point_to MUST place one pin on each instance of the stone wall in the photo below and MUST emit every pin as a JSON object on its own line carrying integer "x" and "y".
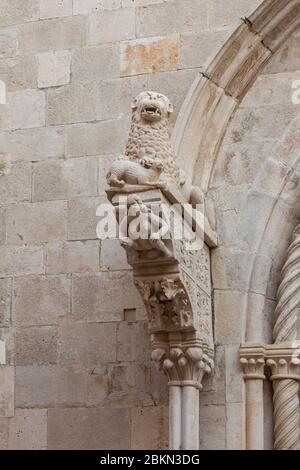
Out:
{"x": 78, "y": 373}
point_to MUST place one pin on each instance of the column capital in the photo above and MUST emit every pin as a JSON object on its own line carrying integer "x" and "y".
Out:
{"x": 284, "y": 361}
{"x": 252, "y": 359}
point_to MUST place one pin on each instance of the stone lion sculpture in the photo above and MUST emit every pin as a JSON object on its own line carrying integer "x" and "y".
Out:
{"x": 149, "y": 156}
{"x": 148, "y": 145}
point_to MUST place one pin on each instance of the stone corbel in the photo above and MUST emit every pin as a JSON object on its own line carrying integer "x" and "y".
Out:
{"x": 173, "y": 279}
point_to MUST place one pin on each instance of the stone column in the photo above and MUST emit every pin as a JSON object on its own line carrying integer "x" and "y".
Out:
{"x": 284, "y": 362}
{"x": 252, "y": 358}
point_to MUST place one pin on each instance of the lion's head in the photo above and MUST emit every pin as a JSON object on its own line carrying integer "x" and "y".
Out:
{"x": 152, "y": 106}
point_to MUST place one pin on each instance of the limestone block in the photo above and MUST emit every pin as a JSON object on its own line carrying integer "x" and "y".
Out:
{"x": 155, "y": 420}
{"x": 231, "y": 268}
{"x": 111, "y": 26}
{"x": 2, "y": 352}
{"x": 2, "y": 225}
{"x": 19, "y": 73}
{"x": 21, "y": 261}
{"x": 228, "y": 320}
{"x": 8, "y": 43}
{"x": 8, "y": 338}
{"x": 191, "y": 55}
{"x": 116, "y": 96}
{"x": 36, "y": 222}
{"x": 141, "y": 3}
{"x": 72, "y": 103}
{"x": 7, "y": 391}
{"x": 72, "y": 257}
{"x": 104, "y": 165}
{"x": 84, "y": 7}
{"x": 48, "y": 386}
{"x": 98, "y": 386}
{"x": 221, "y": 16}
{"x": 133, "y": 342}
{"x": 40, "y": 300}
{"x": 235, "y": 425}
{"x": 4, "y": 433}
{"x": 82, "y": 220}
{"x": 82, "y": 346}
{"x": 18, "y": 11}
{"x": 27, "y": 109}
{"x": 88, "y": 428}
{"x": 255, "y": 313}
{"x": 28, "y": 430}
{"x": 101, "y": 297}
{"x": 234, "y": 378}
{"x": 264, "y": 122}
{"x": 271, "y": 89}
{"x": 64, "y": 179}
{"x": 212, "y": 427}
{"x": 54, "y": 68}
{"x": 103, "y": 138}
{"x": 61, "y": 33}
{"x": 214, "y": 385}
{"x": 96, "y": 63}
{"x": 150, "y": 55}
{"x": 55, "y": 8}
{"x": 16, "y": 185}
{"x": 113, "y": 256}
{"x": 169, "y": 17}
{"x": 33, "y": 144}
{"x": 36, "y": 345}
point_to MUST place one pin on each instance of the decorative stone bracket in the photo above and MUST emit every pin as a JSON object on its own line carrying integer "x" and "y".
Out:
{"x": 173, "y": 278}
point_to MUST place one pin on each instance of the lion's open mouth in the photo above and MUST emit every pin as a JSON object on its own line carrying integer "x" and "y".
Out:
{"x": 151, "y": 112}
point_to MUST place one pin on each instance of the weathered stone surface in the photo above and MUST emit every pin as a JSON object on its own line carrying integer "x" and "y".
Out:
{"x": 28, "y": 430}
{"x": 4, "y": 433}
{"x": 235, "y": 425}
{"x": 150, "y": 55}
{"x": 7, "y": 391}
{"x": 26, "y": 109}
{"x": 133, "y": 342}
{"x": 5, "y": 301}
{"x": 72, "y": 103}
{"x": 54, "y": 68}
{"x": 228, "y": 324}
{"x": 88, "y": 429}
{"x": 62, "y": 33}
{"x": 116, "y": 96}
{"x": 33, "y": 144}
{"x": 168, "y": 17}
{"x": 111, "y": 26}
{"x": 72, "y": 257}
{"x": 8, "y": 43}
{"x": 220, "y": 17}
{"x": 55, "y": 8}
{"x": 16, "y": 185}
{"x": 36, "y": 222}
{"x": 18, "y": 11}
{"x": 83, "y": 7}
{"x": 101, "y": 297}
{"x": 155, "y": 420}
{"x": 40, "y": 300}
{"x": 64, "y": 179}
{"x": 19, "y": 73}
{"x": 96, "y": 63}
{"x": 234, "y": 379}
{"x": 20, "y": 261}
{"x": 213, "y": 421}
{"x": 113, "y": 257}
{"x": 82, "y": 220}
{"x": 83, "y": 346}
{"x": 95, "y": 139}
{"x": 36, "y": 345}
{"x": 48, "y": 386}
{"x": 199, "y": 49}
